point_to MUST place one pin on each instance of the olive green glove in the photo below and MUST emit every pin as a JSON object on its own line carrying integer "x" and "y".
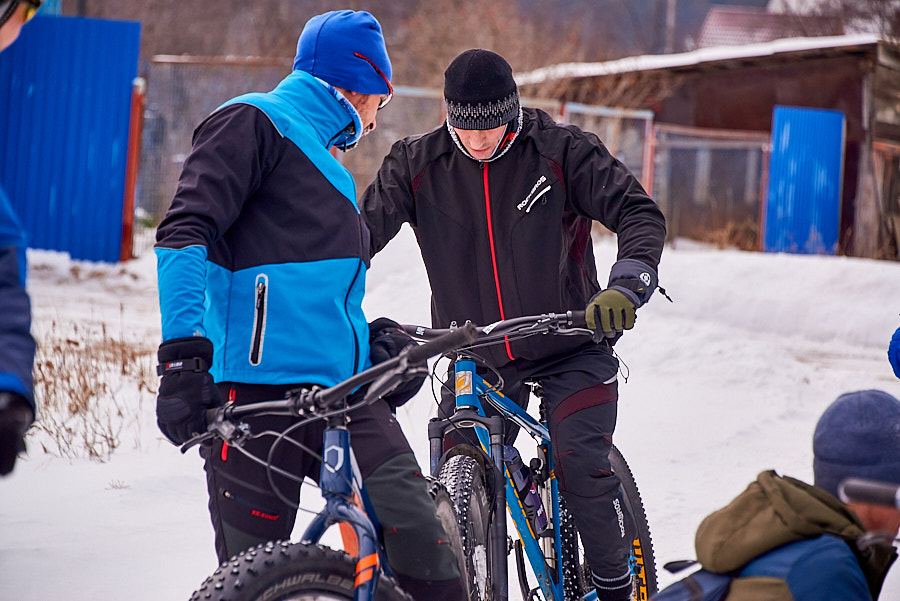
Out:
{"x": 609, "y": 313}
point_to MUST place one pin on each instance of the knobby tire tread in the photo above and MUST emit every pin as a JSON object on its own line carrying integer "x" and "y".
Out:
{"x": 633, "y": 497}
{"x": 463, "y": 478}
{"x": 285, "y": 571}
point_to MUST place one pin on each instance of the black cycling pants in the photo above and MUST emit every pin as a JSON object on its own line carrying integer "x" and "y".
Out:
{"x": 245, "y": 510}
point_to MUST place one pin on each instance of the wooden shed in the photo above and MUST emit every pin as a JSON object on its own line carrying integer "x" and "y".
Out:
{"x": 737, "y": 88}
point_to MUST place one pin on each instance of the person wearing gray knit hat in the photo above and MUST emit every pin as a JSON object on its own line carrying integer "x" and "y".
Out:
{"x": 858, "y": 436}
{"x": 782, "y": 538}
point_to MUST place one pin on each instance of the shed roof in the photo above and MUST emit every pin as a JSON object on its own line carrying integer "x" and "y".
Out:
{"x": 703, "y": 56}
{"x": 733, "y": 25}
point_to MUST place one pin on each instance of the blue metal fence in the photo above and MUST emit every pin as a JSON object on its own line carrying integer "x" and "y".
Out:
{"x": 803, "y": 205}
{"x": 65, "y": 94}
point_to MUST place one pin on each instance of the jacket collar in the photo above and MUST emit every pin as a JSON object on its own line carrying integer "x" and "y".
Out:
{"x": 513, "y": 129}
{"x": 326, "y": 112}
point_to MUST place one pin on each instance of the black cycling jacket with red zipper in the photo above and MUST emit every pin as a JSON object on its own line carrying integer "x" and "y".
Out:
{"x": 511, "y": 237}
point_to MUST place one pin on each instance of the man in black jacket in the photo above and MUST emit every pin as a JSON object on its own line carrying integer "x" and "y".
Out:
{"x": 502, "y": 200}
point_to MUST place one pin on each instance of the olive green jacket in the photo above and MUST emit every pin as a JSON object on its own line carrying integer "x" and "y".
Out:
{"x": 774, "y": 511}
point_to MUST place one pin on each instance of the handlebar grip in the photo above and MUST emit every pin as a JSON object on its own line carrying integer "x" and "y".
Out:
{"x": 212, "y": 414}
{"x": 578, "y": 319}
{"x": 860, "y": 490}
{"x": 455, "y": 339}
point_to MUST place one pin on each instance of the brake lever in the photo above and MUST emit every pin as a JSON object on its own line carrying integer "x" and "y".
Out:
{"x": 230, "y": 432}
{"x": 192, "y": 442}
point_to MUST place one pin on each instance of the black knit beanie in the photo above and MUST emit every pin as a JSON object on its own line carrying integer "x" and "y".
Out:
{"x": 480, "y": 91}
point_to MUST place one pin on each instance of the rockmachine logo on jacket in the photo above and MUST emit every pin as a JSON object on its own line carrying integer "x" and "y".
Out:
{"x": 532, "y": 197}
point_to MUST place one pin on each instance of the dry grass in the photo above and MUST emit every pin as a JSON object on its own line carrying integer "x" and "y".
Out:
{"x": 741, "y": 235}
{"x": 90, "y": 388}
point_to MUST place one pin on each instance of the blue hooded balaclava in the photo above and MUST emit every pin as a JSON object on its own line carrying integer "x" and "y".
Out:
{"x": 346, "y": 49}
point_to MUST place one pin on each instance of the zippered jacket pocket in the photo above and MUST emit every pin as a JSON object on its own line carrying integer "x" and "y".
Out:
{"x": 259, "y": 318}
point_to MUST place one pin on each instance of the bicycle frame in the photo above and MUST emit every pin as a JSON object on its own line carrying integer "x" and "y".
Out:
{"x": 340, "y": 482}
{"x": 471, "y": 388}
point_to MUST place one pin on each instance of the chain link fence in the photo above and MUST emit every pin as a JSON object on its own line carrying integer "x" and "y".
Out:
{"x": 709, "y": 183}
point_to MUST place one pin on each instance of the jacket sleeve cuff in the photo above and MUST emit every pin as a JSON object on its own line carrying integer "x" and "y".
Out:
{"x": 635, "y": 279}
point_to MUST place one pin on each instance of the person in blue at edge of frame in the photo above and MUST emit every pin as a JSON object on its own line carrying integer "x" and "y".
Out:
{"x": 264, "y": 225}
{"x": 17, "y": 406}
{"x": 502, "y": 200}
{"x": 894, "y": 352}
{"x": 788, "y": 540}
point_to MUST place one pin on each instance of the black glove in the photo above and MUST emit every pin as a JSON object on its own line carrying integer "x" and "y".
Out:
{"x": 186, "y": 390}
{"x": 386, "y": 340}
{"x": 609, "y": 313}
{"x": 16, "y": 415}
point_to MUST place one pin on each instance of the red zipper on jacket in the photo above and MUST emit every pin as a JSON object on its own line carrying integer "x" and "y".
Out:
{"x": 490, "y": 228}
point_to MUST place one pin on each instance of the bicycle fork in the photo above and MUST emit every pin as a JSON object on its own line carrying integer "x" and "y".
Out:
{"x": 467, "y": 417}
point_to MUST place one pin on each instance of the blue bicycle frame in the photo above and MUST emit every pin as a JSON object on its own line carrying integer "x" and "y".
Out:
{"x": 471, "y": 388}
{"x": 340, "y": 482}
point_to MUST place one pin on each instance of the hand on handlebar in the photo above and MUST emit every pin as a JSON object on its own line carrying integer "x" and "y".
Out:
{"x": 386, "y": 341}
{"x": 187, "y": 389}
{"x": 609, "y": 313}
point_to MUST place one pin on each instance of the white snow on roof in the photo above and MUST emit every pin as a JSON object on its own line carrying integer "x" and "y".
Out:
{"x": 649, "y": 62}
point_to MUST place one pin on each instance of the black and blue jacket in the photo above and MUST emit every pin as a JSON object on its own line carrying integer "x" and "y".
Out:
{"x": 263, "y": 249}
{"x": 16, "y": 343}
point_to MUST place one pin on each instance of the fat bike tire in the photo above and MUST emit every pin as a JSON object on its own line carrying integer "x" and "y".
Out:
{"x": 571, "y": 556}
{"x": 463, "y": 478}
{"x": 446, "y": 512}
{"x": 285, "y": 571}
{"x": 645, "y": 583}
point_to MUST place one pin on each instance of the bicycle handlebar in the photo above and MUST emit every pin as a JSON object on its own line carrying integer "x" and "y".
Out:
{"x": 220, "y": 419}
{"x": 528, "y": 324}
{"x": 454, "y": 339}
{"x": 861, "y": 490}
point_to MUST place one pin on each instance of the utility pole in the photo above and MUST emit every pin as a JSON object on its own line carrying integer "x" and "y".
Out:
{"x": 670, "y": 26}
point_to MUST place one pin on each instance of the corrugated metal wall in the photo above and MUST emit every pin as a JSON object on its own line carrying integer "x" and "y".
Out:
{"x": 65, "y": 94}
{"x": 803, "y": 205}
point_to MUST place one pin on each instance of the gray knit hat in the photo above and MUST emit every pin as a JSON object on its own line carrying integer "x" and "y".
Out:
{"x": 480, "y": 91}
{"x": 858, "y": 436}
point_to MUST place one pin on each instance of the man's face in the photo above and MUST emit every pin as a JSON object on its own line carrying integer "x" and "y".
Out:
{"x": 481, "y": 143}
{"x": 367, "y": 107}
{"x": 10, "y": 30}
{"x": 876, "y": 517}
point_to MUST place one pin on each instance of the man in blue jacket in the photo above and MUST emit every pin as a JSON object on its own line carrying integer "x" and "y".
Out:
{"x": 262, "y": 261}
{"x": 17, "y": 407}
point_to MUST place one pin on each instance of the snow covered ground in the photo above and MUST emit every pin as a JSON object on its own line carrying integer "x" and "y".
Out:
{"x": 725, "y": 382}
